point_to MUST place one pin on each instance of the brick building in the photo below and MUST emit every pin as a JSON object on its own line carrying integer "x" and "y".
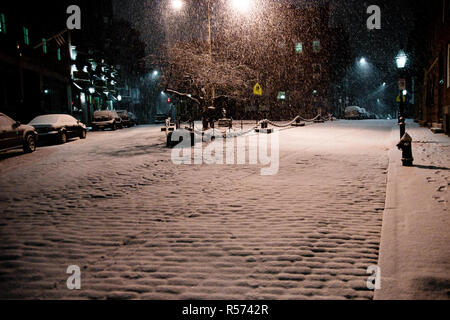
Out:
{"x": 434, "y": 109}
{"x": 34, "y": 66}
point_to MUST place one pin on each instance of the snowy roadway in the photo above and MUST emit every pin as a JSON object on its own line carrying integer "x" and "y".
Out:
{"x": 141, "y": 227}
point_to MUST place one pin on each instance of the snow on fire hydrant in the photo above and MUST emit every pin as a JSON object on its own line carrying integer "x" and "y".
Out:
{"x": 405, "y": 145}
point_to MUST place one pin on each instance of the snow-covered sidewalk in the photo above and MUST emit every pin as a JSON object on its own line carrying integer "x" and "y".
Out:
{"x": 415, "y": 243}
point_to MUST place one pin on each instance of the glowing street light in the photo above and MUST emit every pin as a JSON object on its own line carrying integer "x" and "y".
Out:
{"x": 363, "y": 61}
{"x": 401, "y": 60}
{"x": 242, "y": 6}
{"x": 177, "y": 4}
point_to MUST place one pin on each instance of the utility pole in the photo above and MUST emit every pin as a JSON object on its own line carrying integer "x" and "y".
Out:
{"x": 213, "y": 89}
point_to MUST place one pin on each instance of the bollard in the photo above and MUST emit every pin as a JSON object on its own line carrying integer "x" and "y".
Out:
{"x": 405, "y": 145}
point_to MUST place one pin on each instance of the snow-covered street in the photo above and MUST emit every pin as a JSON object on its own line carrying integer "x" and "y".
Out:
{"x": 141, "y": 227}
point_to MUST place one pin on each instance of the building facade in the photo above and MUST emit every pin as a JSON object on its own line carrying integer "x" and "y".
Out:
{"x": 34, "y": 65}
{"x": 434, "y": 109}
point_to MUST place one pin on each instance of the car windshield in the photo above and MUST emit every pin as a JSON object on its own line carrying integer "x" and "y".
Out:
{"x": 48, "y": 119}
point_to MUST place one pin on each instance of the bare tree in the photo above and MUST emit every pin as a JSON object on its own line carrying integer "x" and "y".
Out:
{"x": 190, "y": 71}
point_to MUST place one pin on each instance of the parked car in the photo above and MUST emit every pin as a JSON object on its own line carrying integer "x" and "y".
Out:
{"x": 15, "y": 135}
{"x": 59, "y": 127}
{"x": 356, "y": 113}
{"x": 106, "y": 119}
{"x": 128, "y": 119}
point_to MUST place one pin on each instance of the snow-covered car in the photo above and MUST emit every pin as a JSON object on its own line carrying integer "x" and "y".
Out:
{"x": 106, "y": 120}
{"x": 355, "y": 113}
{"x": 59, "y": 126}
{"x": 128, "y": 119}
{"x": 15, "y": 135}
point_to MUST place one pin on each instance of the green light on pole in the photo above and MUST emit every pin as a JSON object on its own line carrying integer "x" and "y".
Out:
{"x": 44, "y": 45}
{"x": 58, "y": 53}
{"x": 26, "y": 36}
{"x": 2, "y": 23}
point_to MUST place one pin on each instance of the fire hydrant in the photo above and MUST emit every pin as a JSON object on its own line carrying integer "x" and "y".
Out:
{"x": 405, "y": 145}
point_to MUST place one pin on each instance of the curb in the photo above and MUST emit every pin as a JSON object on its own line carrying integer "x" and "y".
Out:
{"x": 414, "y": 258}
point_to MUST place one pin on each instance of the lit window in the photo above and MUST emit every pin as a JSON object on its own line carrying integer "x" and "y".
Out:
{"x": 282, "y": 95}
{"x": 26, "y": 36}
{"x": 44, "y": 45}
{"x": 299, "y": 47}
{"x": 316, "y": 46}
{"x": 58, "y": 53}
{"x": 2, "y": 23}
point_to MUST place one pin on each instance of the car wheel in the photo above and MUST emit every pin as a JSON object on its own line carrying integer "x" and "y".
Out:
{"x": 83, "y": 134}
{"x": 62, "y": 138}
{"x": 114, "y": 127}
{"x": 30, "y": 144}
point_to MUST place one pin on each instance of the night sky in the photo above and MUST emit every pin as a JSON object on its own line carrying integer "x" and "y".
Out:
{"x": 397, "y": 22}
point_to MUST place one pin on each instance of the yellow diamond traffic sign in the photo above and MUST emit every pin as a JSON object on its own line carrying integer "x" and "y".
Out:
{"x": 399, "y": 98}
{"x": 257, "y": 90}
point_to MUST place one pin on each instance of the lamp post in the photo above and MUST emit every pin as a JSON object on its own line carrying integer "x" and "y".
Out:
{"x": 240, "y": 6}
{"x": 401, "y": 61}
{"x": 405, "y": 143}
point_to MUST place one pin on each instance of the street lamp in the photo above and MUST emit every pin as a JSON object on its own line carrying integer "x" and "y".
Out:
{"x": 363, "y": 61}
{"x": 242, "y": 6}
{"x": 401, "y": 61}
{"x": 177, "y": 4}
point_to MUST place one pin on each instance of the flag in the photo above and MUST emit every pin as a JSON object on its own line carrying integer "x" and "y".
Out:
{"x": 60, "y": 40}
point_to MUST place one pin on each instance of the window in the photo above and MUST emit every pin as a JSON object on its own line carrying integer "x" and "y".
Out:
{"x": 316, "y": 46}
{"x": 26, "y": 36}
{"x": 299, "y": 47}
{"x": 58, "y": 54}
{"x": 2, "y": 23}
{"x": 44, "y": 45}
{"x": 282, "y": 95}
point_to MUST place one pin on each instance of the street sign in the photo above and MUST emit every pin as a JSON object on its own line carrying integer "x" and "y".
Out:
{"x": 402, "y": 84}
{"x": 257, "y": 90}
{"x": 400, "y": 98}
